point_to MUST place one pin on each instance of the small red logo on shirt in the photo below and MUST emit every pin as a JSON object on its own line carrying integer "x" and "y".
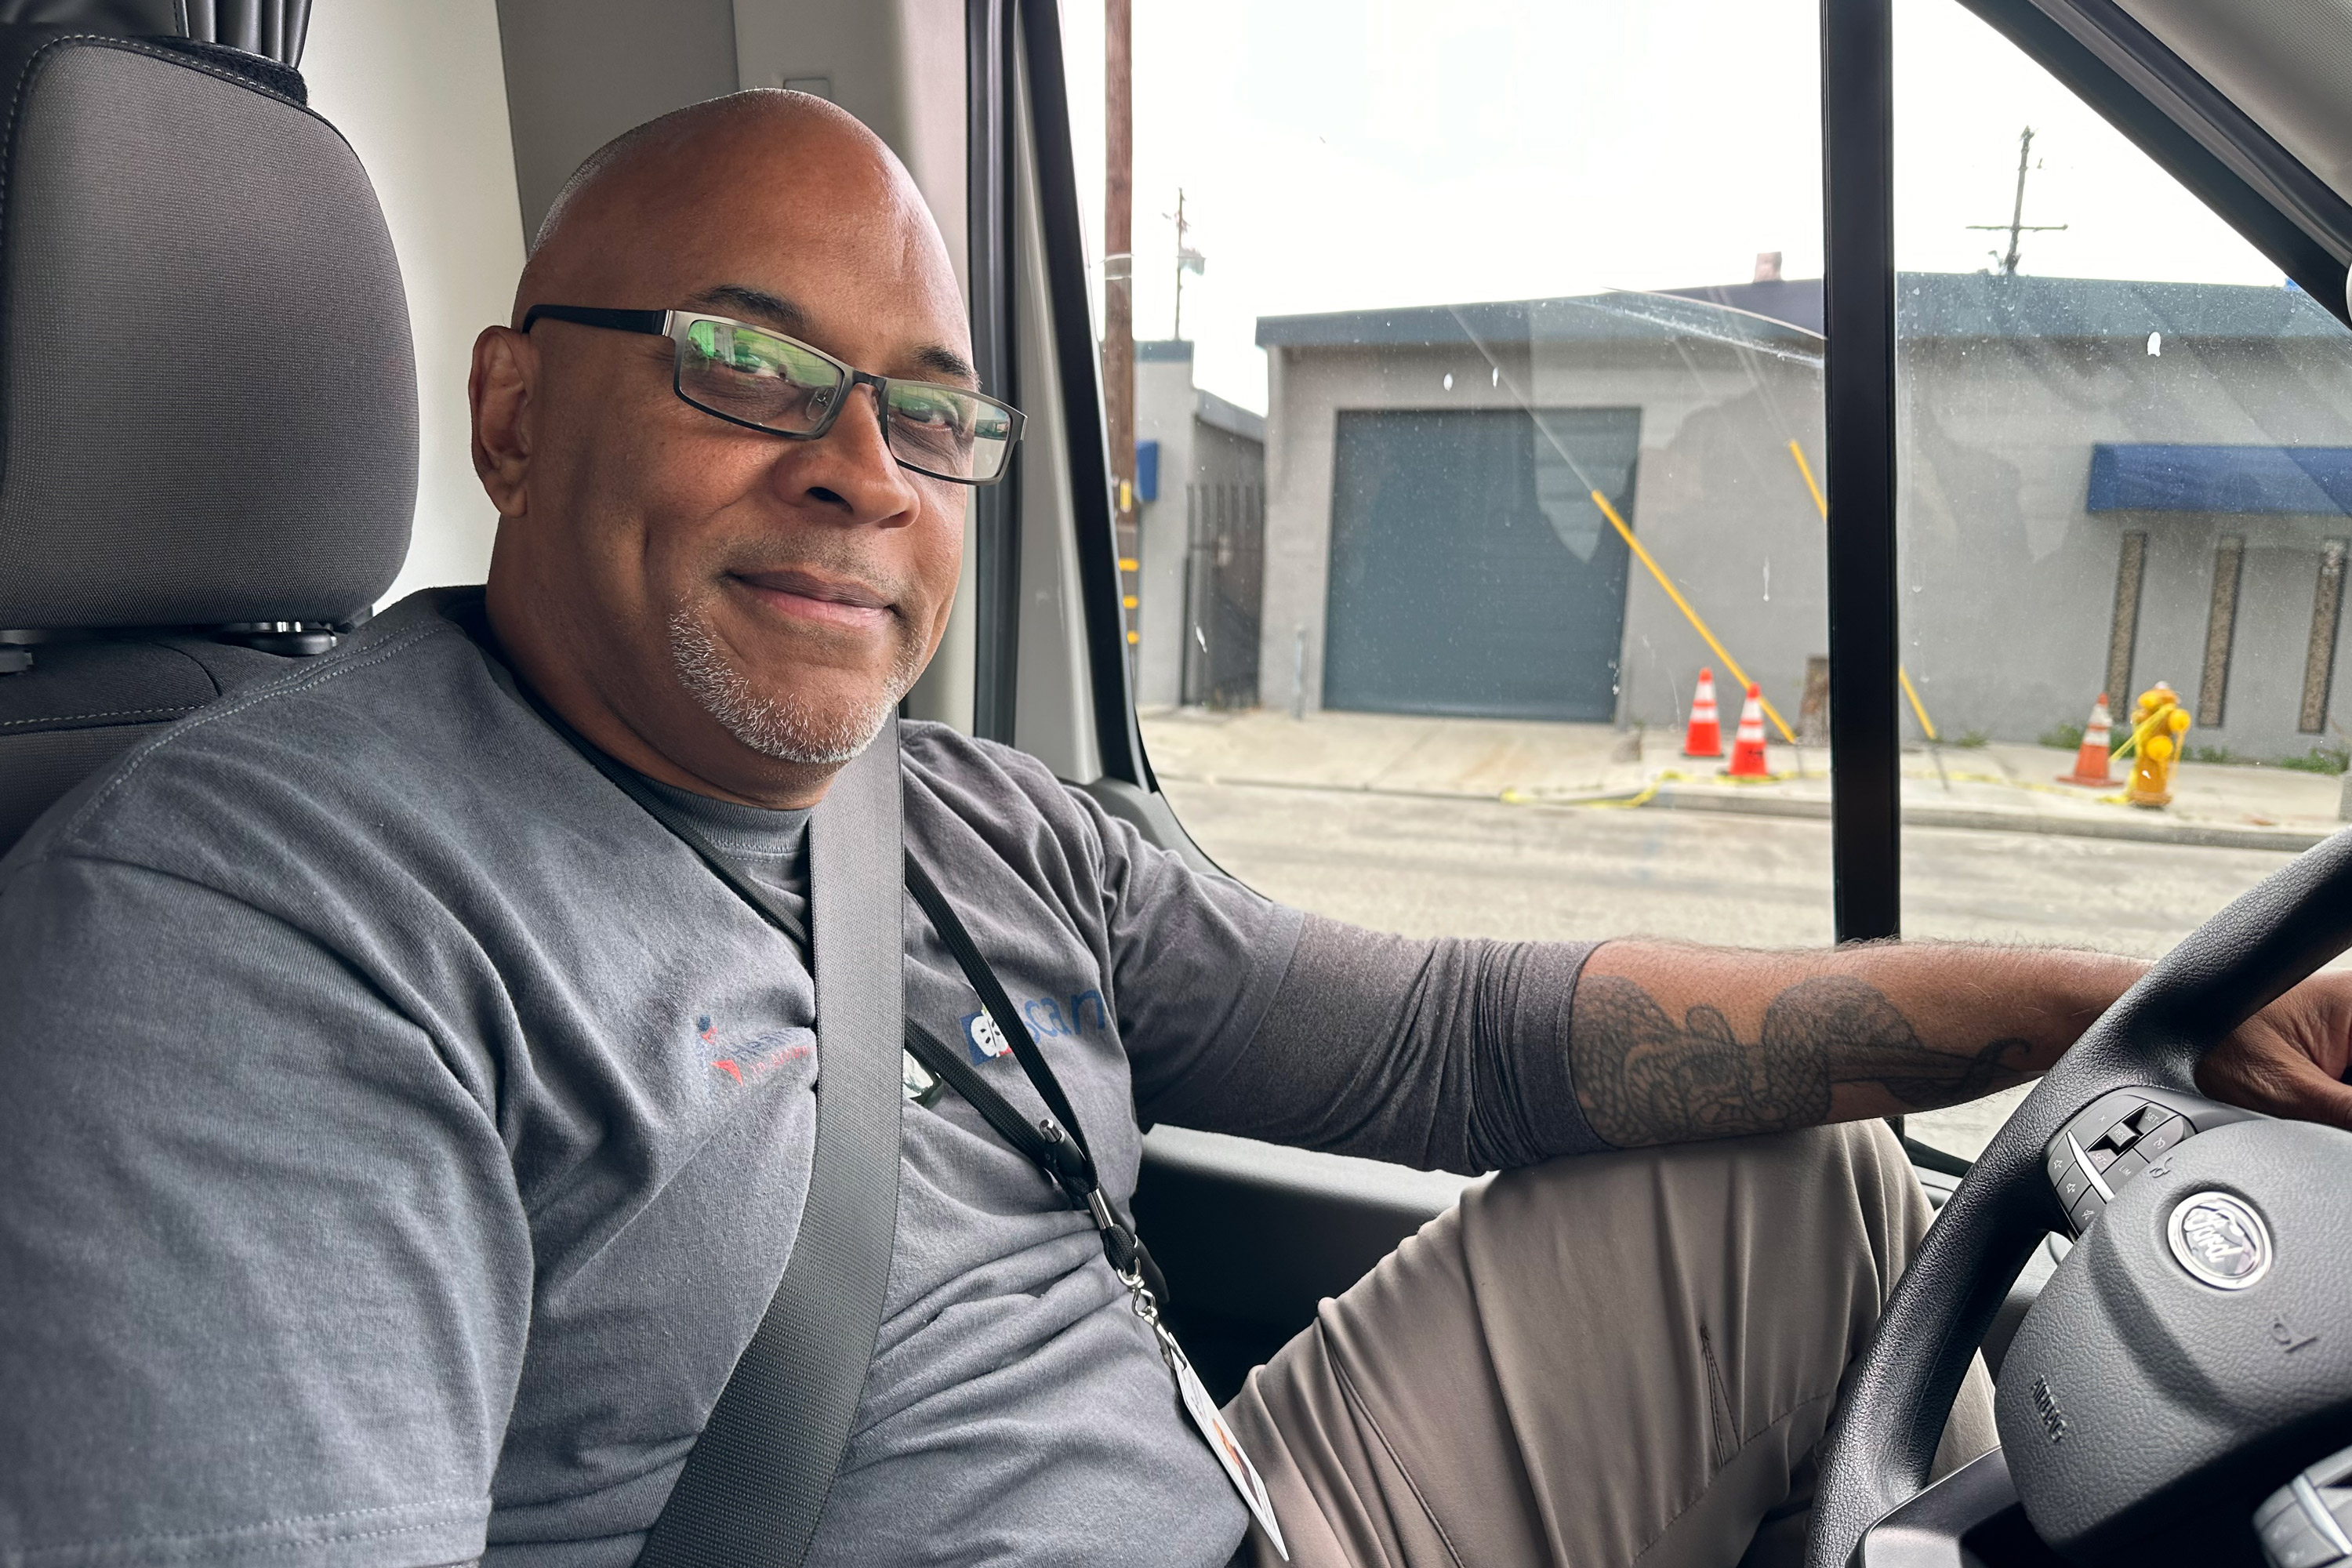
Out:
{"x": 761, "y": 1054}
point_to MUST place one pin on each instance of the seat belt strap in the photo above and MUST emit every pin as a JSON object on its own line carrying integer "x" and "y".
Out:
{"x": 757, "y": 1479}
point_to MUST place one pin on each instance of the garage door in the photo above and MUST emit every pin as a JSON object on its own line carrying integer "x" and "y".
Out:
{"x": 1471, "y": 573}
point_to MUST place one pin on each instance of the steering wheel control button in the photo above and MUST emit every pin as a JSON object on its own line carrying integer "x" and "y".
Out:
{"x": 2088, "y": 1207}
{"x": 2333, "y": 1477}
{"x": 2303, "y": 1524}
{"x": 2119, "y": 1137}
{"x": 2164, "y": 1136}
{"x": 2289, "y": 1542}
{"x": 2090, "y": 1169}
{"x": 2326, "y": 1512}
{"x": 2072, "y": 1186}
{"x": 2219, "y": 1240}
{"x": 2127, "y": 1165}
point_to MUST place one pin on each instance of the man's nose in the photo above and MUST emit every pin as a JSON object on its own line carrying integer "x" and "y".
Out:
{"x": 850, "y": 467}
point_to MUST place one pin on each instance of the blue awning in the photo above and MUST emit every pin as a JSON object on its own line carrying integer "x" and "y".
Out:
{"x": 2275, "y": 480}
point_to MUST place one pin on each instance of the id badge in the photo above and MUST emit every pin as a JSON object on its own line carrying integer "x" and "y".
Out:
{"x": 1221, "y": 1440}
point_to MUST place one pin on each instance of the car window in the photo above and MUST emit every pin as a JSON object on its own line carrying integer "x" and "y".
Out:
{"x": 1478, "y": 417}
{"x": 2126, "y": 461}
{"x": 1491, "y": 419}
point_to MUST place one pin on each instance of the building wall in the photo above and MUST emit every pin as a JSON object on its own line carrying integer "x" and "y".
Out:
{"x": 1196, "y": 450}
{"x": 1164, "y": 401}
{"x": 1717, "y": 500}
{"x": 1222, "y": 458}
{"x": 2008, "y": 582}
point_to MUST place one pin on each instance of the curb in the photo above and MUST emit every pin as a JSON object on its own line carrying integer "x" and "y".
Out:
{"x": 1746, "y": 803}
{"x": 2200, "y": 835}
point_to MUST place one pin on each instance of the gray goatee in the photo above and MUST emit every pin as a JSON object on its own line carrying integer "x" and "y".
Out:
{"x": 786, "y": 727}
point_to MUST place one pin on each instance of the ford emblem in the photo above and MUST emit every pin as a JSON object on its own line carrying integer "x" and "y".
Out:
{"x": 2220, "y": 1241}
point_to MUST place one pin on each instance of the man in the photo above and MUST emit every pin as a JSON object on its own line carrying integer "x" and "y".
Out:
{"x": 404, "y": 1131}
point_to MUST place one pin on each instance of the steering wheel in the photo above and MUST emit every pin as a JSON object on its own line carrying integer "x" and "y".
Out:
{"x": 2193, "y": 1351}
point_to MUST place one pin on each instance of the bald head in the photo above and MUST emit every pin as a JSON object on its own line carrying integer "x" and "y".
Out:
{"x": 641, "y": 194}
{"x": 722, "y": 607}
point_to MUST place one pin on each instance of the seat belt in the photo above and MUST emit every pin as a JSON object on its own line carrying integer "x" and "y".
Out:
{"x": 757, "y": 1479}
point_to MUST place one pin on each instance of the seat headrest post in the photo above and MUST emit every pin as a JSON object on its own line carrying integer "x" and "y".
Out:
{"x": 274, "y": 29}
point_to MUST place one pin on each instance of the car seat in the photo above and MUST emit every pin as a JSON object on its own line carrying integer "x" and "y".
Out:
{"x": 207, "y": 390}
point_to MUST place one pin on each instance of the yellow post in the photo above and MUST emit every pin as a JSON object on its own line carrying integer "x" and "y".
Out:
{"x": 1820, "y": 501}
{"x": 1690, "y": 614}
{"x": 1918, "y": 708}
{"x": 1822, "y": 505}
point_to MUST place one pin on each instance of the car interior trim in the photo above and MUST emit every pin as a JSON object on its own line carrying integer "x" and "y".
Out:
{"x": 1061, "y": 225}
{"x": 996, "y": 517}
{"x": 1859, "y": 467}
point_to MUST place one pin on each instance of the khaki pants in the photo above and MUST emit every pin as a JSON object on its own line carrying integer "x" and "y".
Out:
{"x": 1599, "y": 1362}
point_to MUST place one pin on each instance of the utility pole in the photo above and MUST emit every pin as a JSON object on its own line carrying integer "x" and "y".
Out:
{"x": 1187, "y": 260}
{"x": 2017, "y": 225}
{"x": 1119, "y": 291}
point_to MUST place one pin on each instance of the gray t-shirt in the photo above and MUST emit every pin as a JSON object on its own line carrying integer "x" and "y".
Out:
{"x": 401, "y": 1133}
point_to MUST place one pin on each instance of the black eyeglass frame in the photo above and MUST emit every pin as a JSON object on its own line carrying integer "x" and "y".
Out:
{"x": 674, "y": 325}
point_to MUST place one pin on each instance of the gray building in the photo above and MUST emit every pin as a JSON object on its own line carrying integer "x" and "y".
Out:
{"x": 1200, "y": 472}
{"x": 2105, "y": 484}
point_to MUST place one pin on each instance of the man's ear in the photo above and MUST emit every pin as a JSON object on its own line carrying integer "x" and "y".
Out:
{"x": 499, "y": 387}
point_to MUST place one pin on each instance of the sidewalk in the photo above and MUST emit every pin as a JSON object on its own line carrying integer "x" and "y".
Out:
{"x": 2005, "y": 788}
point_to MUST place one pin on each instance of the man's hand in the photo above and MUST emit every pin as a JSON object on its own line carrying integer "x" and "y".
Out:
{"x": 2289, "y": 1059}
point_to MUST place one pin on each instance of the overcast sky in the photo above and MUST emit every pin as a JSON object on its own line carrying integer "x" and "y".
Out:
{"x": 1337, "y": 155}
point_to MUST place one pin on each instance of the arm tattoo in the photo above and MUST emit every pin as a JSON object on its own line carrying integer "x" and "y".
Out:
{"x": 1643, "y": 1078}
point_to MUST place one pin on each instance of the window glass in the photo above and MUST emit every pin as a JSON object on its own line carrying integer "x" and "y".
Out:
{"x": 1478, "y": 412}
{"x": 2126, "y": 460}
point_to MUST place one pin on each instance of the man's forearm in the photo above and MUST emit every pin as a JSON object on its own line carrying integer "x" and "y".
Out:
{"x": 1670, "y": 1044}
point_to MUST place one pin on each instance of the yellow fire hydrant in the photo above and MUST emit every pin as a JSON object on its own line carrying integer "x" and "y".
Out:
{"x": 2158, "y": 723}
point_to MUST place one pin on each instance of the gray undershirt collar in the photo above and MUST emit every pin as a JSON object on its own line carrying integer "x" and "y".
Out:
{"x": 736, "y": 828}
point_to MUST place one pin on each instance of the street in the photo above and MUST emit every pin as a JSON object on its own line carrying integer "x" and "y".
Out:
{"x": 1465, "y": 867}
{"x": 1432, "y": 866}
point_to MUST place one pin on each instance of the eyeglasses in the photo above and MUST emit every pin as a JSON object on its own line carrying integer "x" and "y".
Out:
{"x": 763, "y": 380}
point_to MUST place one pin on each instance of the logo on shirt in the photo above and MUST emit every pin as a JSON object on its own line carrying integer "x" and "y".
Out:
{"x": 756, "y": 1058}
{"x": 982, "y": 1039}
{"x": 1045, "y": 1019}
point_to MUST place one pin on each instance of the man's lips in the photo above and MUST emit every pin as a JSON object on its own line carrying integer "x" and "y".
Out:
{"x": 810, "y": 597}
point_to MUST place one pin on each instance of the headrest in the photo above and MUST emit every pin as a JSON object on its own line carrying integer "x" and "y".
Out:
{"x": 207, "y": 390}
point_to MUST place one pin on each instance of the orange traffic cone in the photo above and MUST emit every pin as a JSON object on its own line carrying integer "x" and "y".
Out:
{"x": 1747, "y": 745}
{"x": 1705, "y": 736}
{"x": 2090, "y": 760}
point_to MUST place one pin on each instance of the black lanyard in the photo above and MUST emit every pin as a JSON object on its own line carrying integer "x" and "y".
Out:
{"x": 1056, "y": 1145}
{"x": 1057, "y": 1148}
